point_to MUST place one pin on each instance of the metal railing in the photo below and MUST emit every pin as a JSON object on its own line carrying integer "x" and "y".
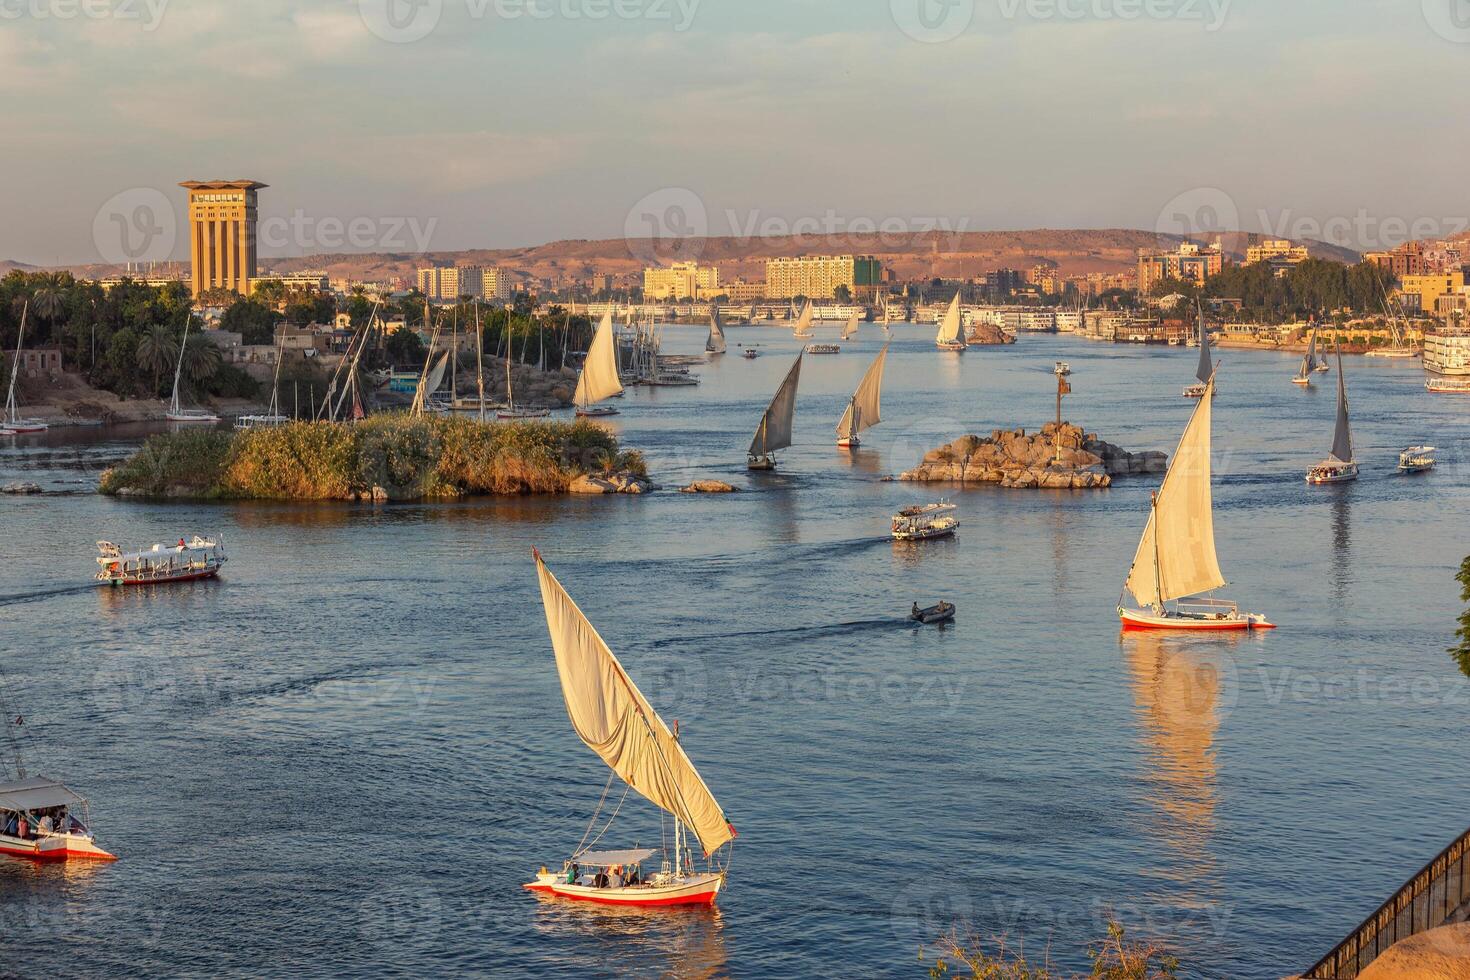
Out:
{"x": 1427, "y": 901}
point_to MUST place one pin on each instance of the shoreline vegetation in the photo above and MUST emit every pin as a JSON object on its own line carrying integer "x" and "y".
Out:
{"x": 383, "y": 458}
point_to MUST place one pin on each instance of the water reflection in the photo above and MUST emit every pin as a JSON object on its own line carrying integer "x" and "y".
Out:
{"x": 1181, "y": 686}
{"x": 1342, "y": 543}
{"x": 863, "y": 461}
{"x": 686, "y": 943}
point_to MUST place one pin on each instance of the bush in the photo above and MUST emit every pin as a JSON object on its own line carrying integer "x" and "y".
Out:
{"x": 411, "y": 458}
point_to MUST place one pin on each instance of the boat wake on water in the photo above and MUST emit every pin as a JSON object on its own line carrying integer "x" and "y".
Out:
{"x": 823, "y": 629}
{"x": 11, "y": 600}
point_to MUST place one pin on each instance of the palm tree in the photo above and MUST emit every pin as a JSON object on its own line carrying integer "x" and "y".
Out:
{"x": 156, "y": 352}
{"x": 49, "y": 299}
{"x": 201, "y": 358}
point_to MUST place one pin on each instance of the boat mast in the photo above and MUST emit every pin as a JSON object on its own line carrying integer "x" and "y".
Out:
{"x": 10, "y": 410}
{"x": 1158, "y": 569}
{"x": 480, "y": 359}
{"x": 454, "y": 359}
{"x": 178, "y": 369}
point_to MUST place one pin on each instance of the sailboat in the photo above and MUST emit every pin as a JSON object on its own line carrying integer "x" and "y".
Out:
{"x": 432, "y": 376}
{"x": 803, "y": 326}
{"x": 599, "y": 380}
{"x": 1206, "y": 372}
{"x": 1176, "y": 565}
{"x": 614, "y": 719}
{"x": 1339, "y": 467}
{"x": 176, "y": 410}
{"x": 273, "y": 416}
{"x": 510, "y": 412}
{"x": 1309, "y": 363}
{"x": 951, "y": 328}
{"x": 13, "y": 424}
{"x": 850, "y": 330}
{"x": 863, "y": 408}
{"x": 716, "y": 342}
{"x": 775, "y": 430}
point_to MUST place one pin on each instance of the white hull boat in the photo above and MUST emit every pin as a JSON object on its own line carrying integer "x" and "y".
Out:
{"x": 1339, "y": 466}
{"x": 11, "y": 423}
{"x": 39, "y": 821}
{"x": 864, "y": 408}
{"x": 699, "y": 889}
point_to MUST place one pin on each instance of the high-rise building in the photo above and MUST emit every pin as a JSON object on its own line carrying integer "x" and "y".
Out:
{"x": 684, "y": 280}
{"x": 1276, "y": 250}
{"x": 495, "y": 283}
{"x": 222, "y": 217}
{"x": 820, "y": 276}
{"x": 1191, "y": 262}
{"x": 448, "y": 283}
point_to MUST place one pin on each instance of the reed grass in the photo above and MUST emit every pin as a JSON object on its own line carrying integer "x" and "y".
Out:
{"x": 410, "y": 458}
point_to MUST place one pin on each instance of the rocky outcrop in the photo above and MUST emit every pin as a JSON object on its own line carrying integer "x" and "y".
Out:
{"x": 609, "y": 484}
{"x": 988, "y": 335}
{"x": 708, "y": 486}
{"x": 22, "y": 489}
{"x": 1053, "y": 459}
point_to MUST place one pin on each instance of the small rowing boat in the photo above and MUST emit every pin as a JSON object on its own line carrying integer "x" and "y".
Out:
{"x": 942, "y": 613}
{"x": 200, "y": 558}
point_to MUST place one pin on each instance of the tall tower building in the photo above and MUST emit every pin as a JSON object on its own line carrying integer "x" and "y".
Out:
{"x": 222, "y": 234}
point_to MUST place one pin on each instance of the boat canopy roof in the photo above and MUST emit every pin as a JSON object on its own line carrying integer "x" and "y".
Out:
{"x": 607, "y": 859}
{"x": 36, "y": 793}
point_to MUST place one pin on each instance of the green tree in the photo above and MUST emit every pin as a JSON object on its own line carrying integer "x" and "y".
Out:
{"x": 252, "y": 320}
{"x": 405, "y": 350}
{"x": 201, "y": 359}
{"x": 156, "y": 352}
{"x": 1461, "y": 653}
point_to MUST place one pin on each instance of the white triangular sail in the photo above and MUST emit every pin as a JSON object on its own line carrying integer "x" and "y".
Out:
{"x": 1342, "y": 439}
{"x": 804, "y": 322}
{"x": 716, "y": 342}
{"x": 616, "y": 721}
{"x": 600, "y": 380}
{"x": 851, "y": 328}
{"x": 1176, "y": 557}
{"x": 951, "y": 325}
{"x": 865, "y": 409}
{"x": 1309, "y": 360}
{"x": 775, "y": 431}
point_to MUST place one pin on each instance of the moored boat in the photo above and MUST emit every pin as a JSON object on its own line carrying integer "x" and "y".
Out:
{"x": 925, "y": 522}
{"x": 1418, "y": 459}
{"x": 176, "y": 410}
{"x": 200, "y": 558}
{"x": 614, "y": 719}
{"x": 12, "y": 424}
{"x": 1339, "y": 466}
{"x": 1175, "y": 567}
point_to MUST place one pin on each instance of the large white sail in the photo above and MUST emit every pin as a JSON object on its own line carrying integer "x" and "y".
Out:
{"x": 1342, "y": 440}
{"x": 776, "y": 426}
{"x": 600, "y": 378}
{"x": 804, "y": 322}
{"x": 1176, "y": 557}
{"x": 616, "y": 721}
{"x": 716, "y": 342}
{"x": 951, "y": 327}
{"x": 851, "y": 328}
{"x": 865, "y": 408}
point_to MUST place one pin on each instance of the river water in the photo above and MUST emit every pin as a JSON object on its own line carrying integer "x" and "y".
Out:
{"x": 348, "y": 754}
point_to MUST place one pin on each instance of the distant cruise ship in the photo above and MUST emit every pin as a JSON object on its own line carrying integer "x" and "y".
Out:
{"x": 1447, "y": 353}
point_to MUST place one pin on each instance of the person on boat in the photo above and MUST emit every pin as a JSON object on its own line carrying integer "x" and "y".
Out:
{"x": 599, "y": 880}
{"x": 615, "y": 877}
{"x": 181, "y": 544}
{"x": 633, "y": 876}
{"x": 917, "y": 610}
{"x": 573, "y": 872}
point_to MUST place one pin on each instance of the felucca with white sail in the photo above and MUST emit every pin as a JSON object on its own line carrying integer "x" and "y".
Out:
{"x": 1339, "y": 466}
{"x": 716, "y": 342}
{"x": 12, "y": 423}
{"x": 599, "y": 380}
{"x": 1309, "y": 363}
{"x": 952, "y": 328}
{"x": 1205, "y": 374}
{"x": 1176, "y": 566}
{"x": 863, "y": 409}
{"x": 613, "y": 718}
{"x": 775, "y": 431}
{"x": 850, "y": 329}
{"x": 176, "y": 410}
{"x": 803, "y": 326}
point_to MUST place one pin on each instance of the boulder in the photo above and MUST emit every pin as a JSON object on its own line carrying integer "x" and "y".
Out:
{"x": 19, "y": 488}
{"x": 611, "y": 483}
{"x": 1011, "y": 458}
{"x": 708, "y": 486}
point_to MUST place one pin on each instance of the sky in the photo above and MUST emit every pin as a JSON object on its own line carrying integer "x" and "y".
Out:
{"x": 410, "y": 125}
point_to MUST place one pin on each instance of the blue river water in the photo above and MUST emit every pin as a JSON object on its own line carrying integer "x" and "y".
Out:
{"x": 347, "y": 755}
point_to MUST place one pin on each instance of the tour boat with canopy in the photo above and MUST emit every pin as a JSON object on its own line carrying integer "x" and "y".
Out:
{"x": 1205, "y": 374}
{"x": 200, "y": 558}
{"x": 599, "y": 380}
{"x": 1339, "y": 466}
{"x": 40, "y": 818}
{"x": 776, "y": 428}
{"x": 1176, "y": 566}
{"x": 613, "y": 718}
{"x": 716, "y": 342}
{"x": 176, "y": 410}
{"x": 12, "y": 423}
{"x": 951, "y": 334}
{"x": 1418, "y": 459}
{"x": 926, "y": 522}
{"x": 863, "y": 409}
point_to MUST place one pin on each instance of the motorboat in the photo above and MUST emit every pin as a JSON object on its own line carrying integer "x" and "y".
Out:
{"x": 1062, "y": 369}
{"x": 925, "y": 522}
{"x": 200, "y": 558}
{"x": 823, "y": 349}
{"x": 43, "y": 820}
{"x": 751, "y": 353}
{"x": 1417, "y": 459}
{"x": 942, "y": 613}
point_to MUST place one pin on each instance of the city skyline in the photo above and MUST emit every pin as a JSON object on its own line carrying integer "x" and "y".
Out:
{"x": 573, "y": 127}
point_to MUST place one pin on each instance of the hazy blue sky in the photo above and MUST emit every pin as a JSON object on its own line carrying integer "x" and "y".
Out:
{"x": 498, "y": 128}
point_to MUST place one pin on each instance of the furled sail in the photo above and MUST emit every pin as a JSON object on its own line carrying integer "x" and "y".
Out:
{"x": 616, "y": 721}
{"x": 1176, "y": 557}
{"x": 804, "y": 322}
{"x": 951, "y": 327}
{"x": 851, "y": 329}
{"x": 716, "y": 342}
{"x": 1342, "y": 440}
{"x": 599, "y": 378}
{"x": 1206, "y": 363}
{"x": 863, "y": 412}
{"x": 776, "y": 425}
